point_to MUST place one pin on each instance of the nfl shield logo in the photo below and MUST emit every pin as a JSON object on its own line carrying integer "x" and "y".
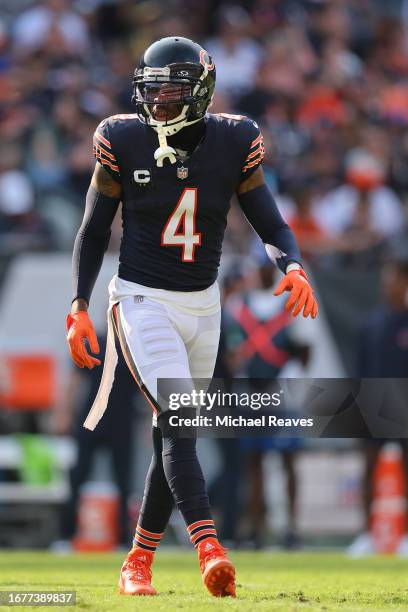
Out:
{"x": 182, "y": 172}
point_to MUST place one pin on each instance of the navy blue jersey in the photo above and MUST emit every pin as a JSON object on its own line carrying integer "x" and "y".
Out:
{"x": 174, "y": 217}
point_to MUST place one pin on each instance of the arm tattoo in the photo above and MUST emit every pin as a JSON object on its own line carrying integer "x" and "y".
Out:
{"x": 104, "y": 183}
{"x": 255, "y": 180}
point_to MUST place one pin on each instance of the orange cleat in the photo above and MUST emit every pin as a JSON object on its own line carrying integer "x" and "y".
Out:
{"x": 135, "y": 575}
{"x": 217, "y": 570}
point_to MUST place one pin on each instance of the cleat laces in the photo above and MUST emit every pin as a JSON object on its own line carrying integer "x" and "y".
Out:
{"x": 138, "y": 569}
{"x": 211, "y": 551}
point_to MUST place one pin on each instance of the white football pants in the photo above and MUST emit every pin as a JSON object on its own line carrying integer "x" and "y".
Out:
{"x": 160, "y": 339}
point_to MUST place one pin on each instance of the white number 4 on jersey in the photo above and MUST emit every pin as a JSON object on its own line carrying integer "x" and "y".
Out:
{"x": 180, "y": 228}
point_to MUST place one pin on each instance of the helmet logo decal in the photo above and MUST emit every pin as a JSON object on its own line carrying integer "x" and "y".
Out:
{"x": 205, "y": 59}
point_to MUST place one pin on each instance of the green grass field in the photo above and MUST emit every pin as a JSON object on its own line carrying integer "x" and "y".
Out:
{"x": 266, "y": 581}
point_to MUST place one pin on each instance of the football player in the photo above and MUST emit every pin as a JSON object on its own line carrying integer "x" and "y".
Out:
{"x": 174, "y": 167}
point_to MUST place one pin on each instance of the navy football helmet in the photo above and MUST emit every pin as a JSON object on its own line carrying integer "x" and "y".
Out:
{"x": 173, "y": 84}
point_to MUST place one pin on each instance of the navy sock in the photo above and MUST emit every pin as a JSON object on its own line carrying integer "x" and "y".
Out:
{"x": 158, "y": 501}
{"x": 186, "y": 481}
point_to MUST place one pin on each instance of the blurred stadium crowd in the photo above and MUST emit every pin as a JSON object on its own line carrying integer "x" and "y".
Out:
{"x": 327, "y": 82}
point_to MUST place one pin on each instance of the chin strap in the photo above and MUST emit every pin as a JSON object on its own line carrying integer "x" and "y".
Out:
{"x": 164, "y": 150}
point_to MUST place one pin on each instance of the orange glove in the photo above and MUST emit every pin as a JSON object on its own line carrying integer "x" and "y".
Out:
{"x": 80, "y": 328}
{"x": 301, "y": 293}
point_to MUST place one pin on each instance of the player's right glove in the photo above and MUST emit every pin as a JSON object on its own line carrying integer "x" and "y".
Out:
{"x": 301, "y": 293}
{"x": 80, "y": 329}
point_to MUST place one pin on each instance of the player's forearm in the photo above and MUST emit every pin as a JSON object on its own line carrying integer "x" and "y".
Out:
{"x": 90, "y": 244}
{"x": 263, "y": 214}
{"x": 87, "y": 260}
{"x": 281, "y": 246}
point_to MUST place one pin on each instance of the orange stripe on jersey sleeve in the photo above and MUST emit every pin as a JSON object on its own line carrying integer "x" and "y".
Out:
{"x": 256, "y": 153}
{"x": 102, "y": 150}
{"x": 105, "y": 161}
{"x": 103, "y": 140}
{"x": 255, "y": 142}
{"x": 259, "y": 149}
{"x": 253, "y": 163}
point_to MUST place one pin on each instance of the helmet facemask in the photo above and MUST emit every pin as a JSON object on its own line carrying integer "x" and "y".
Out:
{"x": 166, "y": 102}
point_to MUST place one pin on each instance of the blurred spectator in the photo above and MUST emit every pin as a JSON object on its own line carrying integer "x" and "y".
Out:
{"x": 259, "y": 343}
{"x": 45, "y": 167}
{"x": 21, "y": 227}
{"x": 313, "y": 240}
{"x": 363, "y": 211}
{"x": 224, "y": 489}
{"x": 288, "y": 60}
{"x": 53, "y": 24}
{"x": 5, "y": 59}
{"x": 237, "y": 55}
{"x": 384, "y": 354}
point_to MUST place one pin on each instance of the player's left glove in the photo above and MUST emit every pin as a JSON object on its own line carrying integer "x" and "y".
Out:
{"x": 301, "y": 293}
{"x": 80, "y": 328}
